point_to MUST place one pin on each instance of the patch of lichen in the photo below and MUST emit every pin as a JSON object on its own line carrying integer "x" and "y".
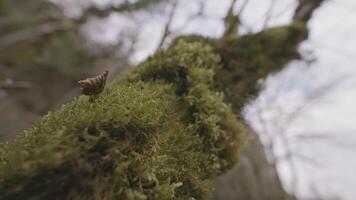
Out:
{"x": 160, "y": 132}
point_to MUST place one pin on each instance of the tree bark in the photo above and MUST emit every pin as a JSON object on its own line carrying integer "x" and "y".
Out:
{"x": 253, "y": 178}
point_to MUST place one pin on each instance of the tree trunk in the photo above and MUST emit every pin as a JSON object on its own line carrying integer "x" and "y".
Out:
{"x": 253, "y": 178}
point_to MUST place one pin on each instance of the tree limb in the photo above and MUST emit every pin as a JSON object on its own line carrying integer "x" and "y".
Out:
{"x": 123, "y": 7}
{"x": 306, "y": 8}
{"x": 166, "y": 31}
{"x": 32, "y": 33}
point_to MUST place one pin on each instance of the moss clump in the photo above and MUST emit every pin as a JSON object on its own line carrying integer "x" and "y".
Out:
{"x": 160, "y": 132}
{"x": 251, "y": 57}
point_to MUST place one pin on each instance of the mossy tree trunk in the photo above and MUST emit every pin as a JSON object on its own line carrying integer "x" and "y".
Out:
{"x": 247, "y": 60}
{"x": 164, "y": 131}
{"x": 161, "y": 132}
{"x": 255, "y": 177}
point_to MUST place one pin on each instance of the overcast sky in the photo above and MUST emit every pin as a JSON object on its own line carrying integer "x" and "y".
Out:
{"x": 322, "y": 134}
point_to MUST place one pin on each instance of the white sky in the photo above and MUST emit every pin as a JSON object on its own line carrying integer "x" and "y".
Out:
{"x": 330, "y": 116}
{"x": 323, "y": 134}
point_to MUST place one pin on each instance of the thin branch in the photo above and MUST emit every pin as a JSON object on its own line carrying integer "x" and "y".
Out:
{"x": 167, "y": 31}
{"x": 286, "y": 9}
{"x": 306, "y": 8}
{"x": 122, "y": 7}
{"x": 269, "y": 13}
{"x": 297, "y": 155}
{"x": 243, "y": 7}
{"x": 311, "y": 99}
{"x": 191, "y": 18}
{"x": 32, "y": 34}
{"x": 240, "y": 12}
{"x": 11, "y": 84}
{"x": 231, "y": 21}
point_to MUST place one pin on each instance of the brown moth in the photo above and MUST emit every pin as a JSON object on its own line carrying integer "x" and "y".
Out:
{"x": 95, "y": 85}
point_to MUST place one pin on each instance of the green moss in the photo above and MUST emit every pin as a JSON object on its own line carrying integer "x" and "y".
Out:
{"x": 252, "y": 57}
{"x": 160, "y": 132}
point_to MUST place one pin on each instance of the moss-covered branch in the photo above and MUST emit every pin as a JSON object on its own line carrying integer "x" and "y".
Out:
{"x": 160, "y": 132}
{"x": 249, "y": 58}
{"x": 163, "y": 131}
{"x": 252, "y": 57}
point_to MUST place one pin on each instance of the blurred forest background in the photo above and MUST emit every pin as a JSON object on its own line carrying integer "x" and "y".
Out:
{"x": 303, "y": 117}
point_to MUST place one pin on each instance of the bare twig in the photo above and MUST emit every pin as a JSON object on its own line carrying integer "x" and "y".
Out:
{"x": 311, "y": 99}
{"x": 240, "y": 12}
{"x": 243, "y": 7}
{"x": 11, "y": 84}
{"x": 126, "y": 6}
{"x": 306, "y": 8}
{"x": 231, "y": 21}
{"x": 287, "y": 8}
{"x": 190, "y": 19}
{"x": 166, "y": 31}
{"x": 269, "y": 13}
{"x": 31, "y": 34}
{"x": 279, "y": 134}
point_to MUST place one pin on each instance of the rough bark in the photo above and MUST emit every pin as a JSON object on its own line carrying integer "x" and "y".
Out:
{"x": 252, "y": 58}
{"x": 254, "y": 178}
